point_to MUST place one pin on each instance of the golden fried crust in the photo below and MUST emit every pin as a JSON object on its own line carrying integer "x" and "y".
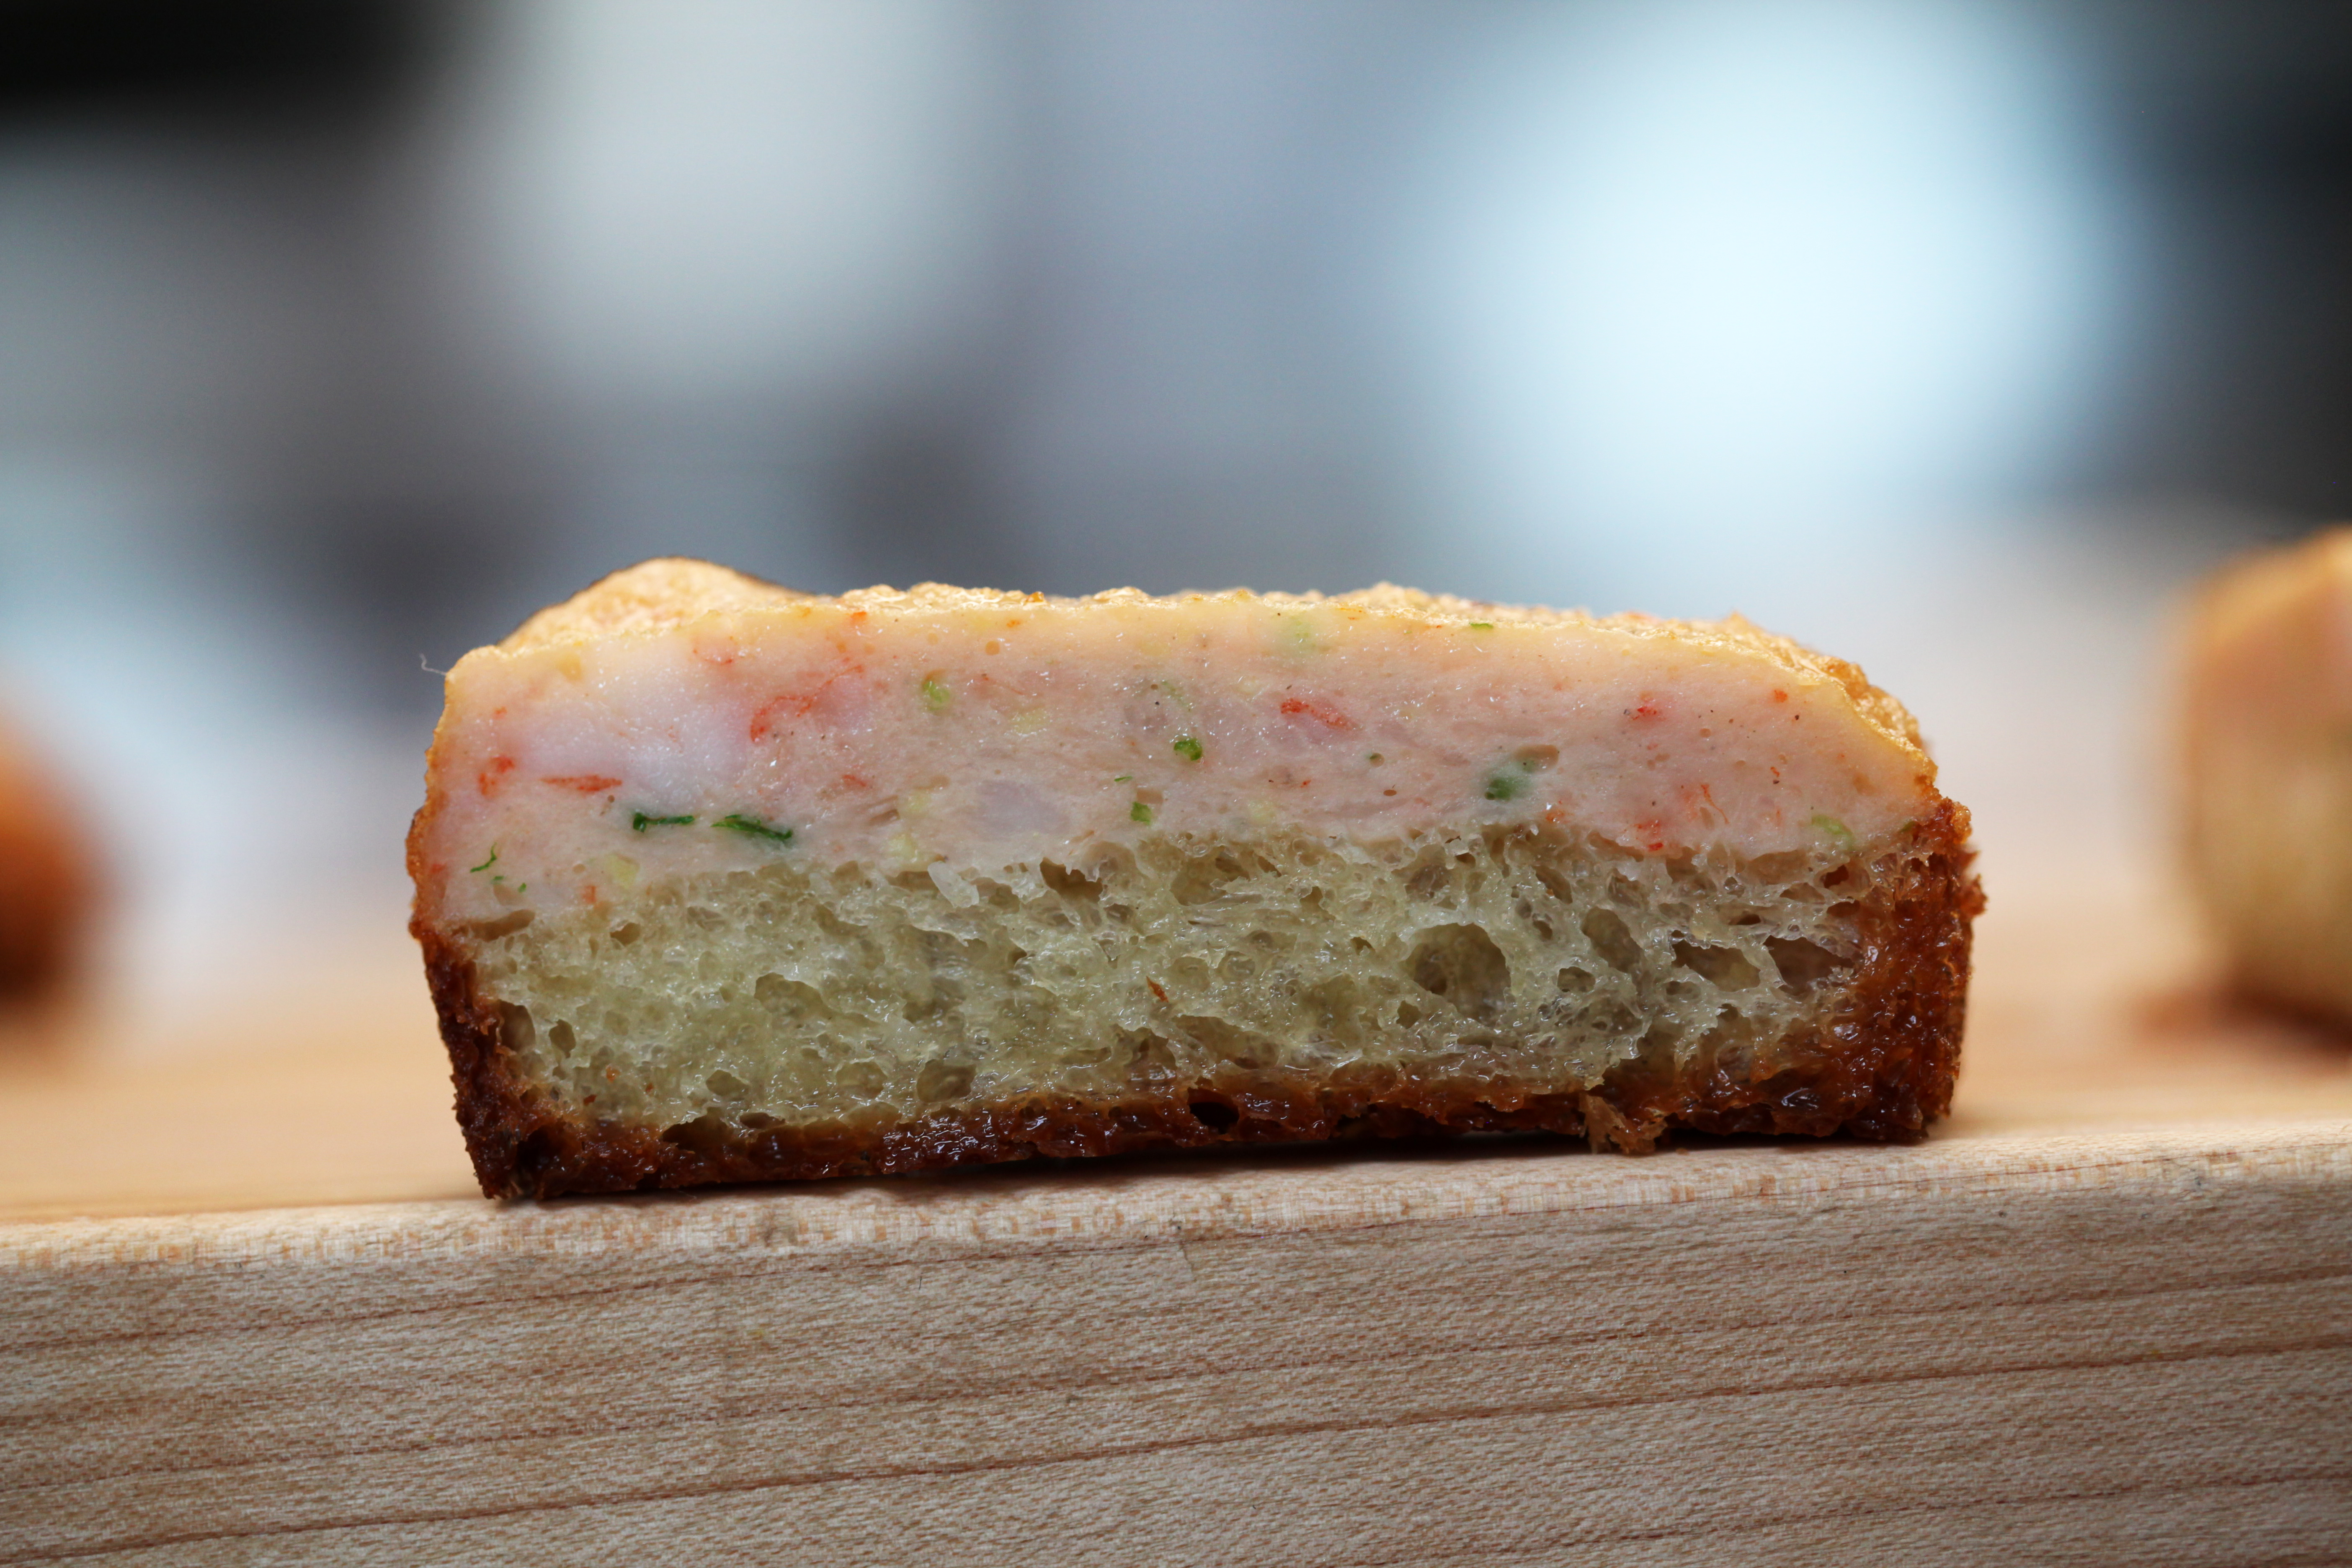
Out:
{"x": 1882, "y": 1071}
{"x": 661, "y": 595}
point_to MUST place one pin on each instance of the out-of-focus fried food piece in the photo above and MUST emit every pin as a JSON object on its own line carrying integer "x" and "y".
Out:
{"x": 2268, "y": 731}
{"x": 48, "y": 884}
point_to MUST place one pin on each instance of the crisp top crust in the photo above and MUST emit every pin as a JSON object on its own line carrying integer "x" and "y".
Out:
{"x": 677, "y": 593}
{"x": 678, "y": 717}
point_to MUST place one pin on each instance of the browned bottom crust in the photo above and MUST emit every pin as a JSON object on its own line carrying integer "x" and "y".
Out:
{"x": 1882, "y": 1070}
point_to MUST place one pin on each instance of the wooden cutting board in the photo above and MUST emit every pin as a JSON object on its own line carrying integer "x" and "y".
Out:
{"x": 254, "y": 1314}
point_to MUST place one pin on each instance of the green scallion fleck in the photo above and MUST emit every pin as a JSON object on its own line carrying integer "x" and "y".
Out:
{"x": 1122, "y": 778}
{"x": 1139, "y": 812}
{"x": 488, "y": 863}
{"x": 640, "y": 821}
{"x": 752, "y": 828}
{"x": 1506, "y": 786}
{"x": 1188, "y": 748}
{"x": 1482, "y": 626}
{"x": 936, "y": 695}
{"x": 1836, "y": 832}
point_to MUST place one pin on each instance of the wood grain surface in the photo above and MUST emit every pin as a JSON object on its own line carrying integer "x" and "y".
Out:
{"x": 2106, "y": 1316}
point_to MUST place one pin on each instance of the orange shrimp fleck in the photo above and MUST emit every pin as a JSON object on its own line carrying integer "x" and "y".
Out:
{"x": 1323, "y": 713}
{"x": 587, "y": 783}
{"x": 494, "y": 774}
{"x": 785, "y": 706}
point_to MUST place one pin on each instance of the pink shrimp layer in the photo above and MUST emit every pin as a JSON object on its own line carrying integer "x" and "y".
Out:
{"x": 677, "y": 719}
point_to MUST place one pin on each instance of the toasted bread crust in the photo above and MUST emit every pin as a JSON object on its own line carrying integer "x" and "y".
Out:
{"x": 1883, "y": 1072}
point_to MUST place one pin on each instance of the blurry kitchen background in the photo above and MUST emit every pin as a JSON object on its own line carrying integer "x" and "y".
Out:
{"x": 1952, "y": 337}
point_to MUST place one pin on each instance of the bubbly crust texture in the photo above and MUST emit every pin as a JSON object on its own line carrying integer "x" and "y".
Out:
{"x": 667, "y": 594}
{"x": 717, "y": 881}
{"x": 2266, "y": 728}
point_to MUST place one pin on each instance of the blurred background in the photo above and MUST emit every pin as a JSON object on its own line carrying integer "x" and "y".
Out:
{"x": 1953, "y": 337}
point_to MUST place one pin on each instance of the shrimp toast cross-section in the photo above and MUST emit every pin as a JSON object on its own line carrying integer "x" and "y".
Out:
{"x": 717, "y": 881}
